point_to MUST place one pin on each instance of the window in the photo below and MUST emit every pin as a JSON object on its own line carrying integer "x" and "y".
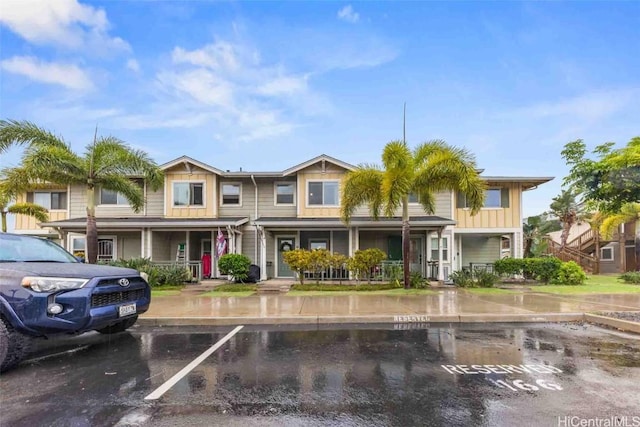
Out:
{"x": 606, "y": 254}
{"x": 413, "y": 198}
{"x": 105, "y": 250}
{"x": 231, "y": 194}
{"x": 285, "y": 194}
{"x": 318, "y": 244}
{"x": 110, "y": 197}
{"x": 49, "y": 200}
{"x": 323, "y": 193}
{"x": 494, "y": 198}
{"x": 188, "y": 194}
{"x": 434, "y": 249}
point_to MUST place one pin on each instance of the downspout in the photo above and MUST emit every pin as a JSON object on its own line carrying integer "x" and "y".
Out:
{"x": 255, "y": 217}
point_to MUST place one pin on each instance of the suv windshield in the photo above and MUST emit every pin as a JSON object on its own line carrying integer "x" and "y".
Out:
{"x": 31, "y": 249}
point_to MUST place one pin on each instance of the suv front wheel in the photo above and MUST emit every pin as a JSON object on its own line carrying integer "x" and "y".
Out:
{"x": 119, "y": 327}
{"x": 13, "y": 346}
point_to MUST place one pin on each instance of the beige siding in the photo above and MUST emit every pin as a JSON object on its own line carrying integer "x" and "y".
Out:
{"x": 374, "y": 239}
{"x": 155, "y": 202}
{"x": 77, "y": 201}
{"x": 249, "y": 243}
{"x": 247, "y": 198}
{"x": 443, "y": 207}
{"x": 480, "y": 249}
{"x": 494, "y": 217}
{"x": 165, "y": 244}
{"x": 128, "y": 245}
{"x": 266, "y": 199}
{"x": 310, "y": 174}
{"x": 209, "y": 210}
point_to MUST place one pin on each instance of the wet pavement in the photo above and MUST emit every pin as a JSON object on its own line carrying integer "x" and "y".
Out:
{"x": 444, "y": 305}
{"x": 354, "y": 375}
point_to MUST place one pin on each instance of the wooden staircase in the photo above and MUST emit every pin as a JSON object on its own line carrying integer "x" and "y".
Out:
{"x": 588, "y": 262}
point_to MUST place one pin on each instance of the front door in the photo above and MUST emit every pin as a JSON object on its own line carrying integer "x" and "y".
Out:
{"x": 415, "y": 255}
{"x": 285, "y": 244}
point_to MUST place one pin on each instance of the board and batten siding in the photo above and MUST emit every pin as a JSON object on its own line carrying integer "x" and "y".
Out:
{"x": 480, "y": 249}
{"x": 312, "y": 174}
{"x": 26, "y": 223}
{"x": 209, "y": 210}
{"x": 494, "y": 217}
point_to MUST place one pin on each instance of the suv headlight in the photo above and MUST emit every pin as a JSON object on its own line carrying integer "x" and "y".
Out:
{"x": 52, "y": 284}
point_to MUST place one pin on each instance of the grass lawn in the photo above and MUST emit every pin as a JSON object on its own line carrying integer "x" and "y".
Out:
{"x": 227, "y": 294}
{"x": 166, "y": 291}
{"x": 599, "y": 284}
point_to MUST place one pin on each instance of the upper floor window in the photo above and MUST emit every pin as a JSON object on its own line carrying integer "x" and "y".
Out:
{"x": 231, "y": 194}
{"x": 110, "y": 197}
{"x": 323, "y": 193}
{"x": 285, "y": 193}
{"x": 413, "y": 198}
{"x": 188, "y": 194}
{"x": 51, "y": 200}
{"x": 494, "y": 198}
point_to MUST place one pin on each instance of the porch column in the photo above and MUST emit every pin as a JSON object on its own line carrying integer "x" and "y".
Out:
{"x": 517, "y": 244}
{"x": 459, "y": 253}
{"x": 187, "y": 249}
{"x": 263, "y": 253}
{"x": 150, "y": 243}
{"x": 440, "y": 263}
{"x": 452, "y": 250}
{"x": 232, "y": 240}
{"x": 350, "y": 249}
{"x": 143, "y": 237}
{"x": 237, "y": 236}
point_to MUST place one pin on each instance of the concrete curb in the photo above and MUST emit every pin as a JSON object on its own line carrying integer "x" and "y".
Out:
{"x": 623, "y": 325}
{"x": 393, "y": 319}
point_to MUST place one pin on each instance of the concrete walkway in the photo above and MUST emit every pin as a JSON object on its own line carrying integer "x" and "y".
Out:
{"x": 450, "y": 305}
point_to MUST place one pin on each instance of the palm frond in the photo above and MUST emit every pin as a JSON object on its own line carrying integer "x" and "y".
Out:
{"x": 396, "y": 156}
{"x": 55, "y": 164}
{"x": 24, "y": 132}
{"x": 30, "y": 209}
{"x": 361, "y": 186}
{"x": 629, "y": 212}
{"x": 123, "y": 185}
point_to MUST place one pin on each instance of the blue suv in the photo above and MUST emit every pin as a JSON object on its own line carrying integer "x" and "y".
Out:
{"x": 44, "y": 291}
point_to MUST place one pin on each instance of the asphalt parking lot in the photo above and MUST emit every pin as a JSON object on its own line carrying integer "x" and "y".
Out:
{"x": 403, "y": 374}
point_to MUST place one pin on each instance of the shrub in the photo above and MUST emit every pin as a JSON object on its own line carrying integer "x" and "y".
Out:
{"x": 484, "y": 278}
{"x": 235, "y": 265}
{"x": 509, "y": 266}
{"x": 157, "y": 275}
{"x": 338, "y": 262}
{"x": 462, "y": 278}
{"x": 299, "y": 260}
{"x": 631, "y": 277}
{"x": 570, "y": 273}
{"x": 363, "y": 262}
{"x": 544, "y": 269}
{"x": 547, "y": 269}
{"x": 416, "y": 280}
{"x": 319, "y": 261}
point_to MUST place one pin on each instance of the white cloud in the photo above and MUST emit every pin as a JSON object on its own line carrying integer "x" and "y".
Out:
{"x": 65, "y": 23}
{"x": 67, "y": 75}
{"x": 348, "y": 14}
{"x": 133, "y": 65}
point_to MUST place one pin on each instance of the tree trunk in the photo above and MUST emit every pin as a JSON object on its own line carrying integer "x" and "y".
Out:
{"x": 406, "y": 243}
{"x": 636, "y": 242}
{"x": 4, "y": 221}
{"x": 596, "y": 235}
{"x": 528, "y": 242}
{"x": 564, "y": 236}
{"x": 91, "y": 244}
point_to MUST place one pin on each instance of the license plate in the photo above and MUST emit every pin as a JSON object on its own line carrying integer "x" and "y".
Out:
{"x": 126, "y": 310}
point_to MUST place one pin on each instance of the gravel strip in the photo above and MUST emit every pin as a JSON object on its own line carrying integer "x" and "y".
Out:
{"x": 632, "y": 316}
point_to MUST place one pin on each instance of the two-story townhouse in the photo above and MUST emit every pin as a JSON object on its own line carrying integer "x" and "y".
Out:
{"x": 264, "y": 214}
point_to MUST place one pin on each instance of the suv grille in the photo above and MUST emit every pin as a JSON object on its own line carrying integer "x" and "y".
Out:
{"x": 132, "y": 281}
{"x": 100, "y": 300}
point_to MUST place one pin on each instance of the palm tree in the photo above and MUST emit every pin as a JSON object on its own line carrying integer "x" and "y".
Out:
{"x": 107, "y": 163}
{"x": 629, "y": 212}
{"x": 533, "y": 230}
{"x": 431, "y": 167}
{"x": 9, "y": 191}
{"x": 567, "y": 210}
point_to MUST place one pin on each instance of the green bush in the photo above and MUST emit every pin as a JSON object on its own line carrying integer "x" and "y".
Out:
{"x": 235, "y": 265}
{"x": 631, "y": 277}
{"x": 363, "y": 262}
{"x": 544, "y": 269}
{"x": 319, "y": 261}
{"x": 333, "y": 288}
{"x": 157, "y": 275}
{"x": 298, "y": 260}
{"x": 570, "y": 273}
{"x": 508, "y": 266}
{"x": 462, "y": 278}
{"x": 548, "y": 268}
{"x": 417, "y": 281}
{"x": 484, "y": 278}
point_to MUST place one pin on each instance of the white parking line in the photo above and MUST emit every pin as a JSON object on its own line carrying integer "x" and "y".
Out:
{"x": 177, "y": 377}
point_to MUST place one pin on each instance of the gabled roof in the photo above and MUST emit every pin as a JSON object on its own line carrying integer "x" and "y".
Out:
{"x": 320, "y": 158}
{"x": 528, "y": 182}
{"x": 186, "y": 160}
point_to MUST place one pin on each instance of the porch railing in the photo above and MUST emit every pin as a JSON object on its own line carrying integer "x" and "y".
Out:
{"x": 385, "y": 271}
{"x": 195, "y": 267}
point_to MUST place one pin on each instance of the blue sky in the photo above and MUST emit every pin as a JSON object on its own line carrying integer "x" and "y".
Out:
{"x": 266, "y": 85}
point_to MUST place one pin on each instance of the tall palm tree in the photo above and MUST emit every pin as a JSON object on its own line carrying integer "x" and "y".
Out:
{"x": 629, "y": 212}
{"x": 566, "y": 209}
{"x": 9, "y": 191}
{"x": 107, "y": 163}
{"x": 431, "y": 167}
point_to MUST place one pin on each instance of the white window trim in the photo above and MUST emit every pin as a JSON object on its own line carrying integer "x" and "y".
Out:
{"x": 448, "y": 248}
{"x": 110, "y": 205}
{"x": 321, "y": 206}
{"x": 113, "y": 238}
{"x": 325, "y": 241}
{"x": 204, "y": 195}
{"x": 49, "y": 192}
{"x": 275, "y": 193}
{"x": 602, "y": 258}
{"x": 222, "y": 184}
